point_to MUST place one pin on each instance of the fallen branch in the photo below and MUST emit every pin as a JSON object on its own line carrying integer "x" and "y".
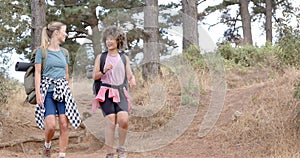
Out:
{"x": 22, "y": 146}
{"x": 38, "y": 139}
{"x": 25, "y": 123}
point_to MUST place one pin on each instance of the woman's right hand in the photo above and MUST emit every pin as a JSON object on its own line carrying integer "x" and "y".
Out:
{"x": 107, "y": 68}
{"x": 40, "y": 99}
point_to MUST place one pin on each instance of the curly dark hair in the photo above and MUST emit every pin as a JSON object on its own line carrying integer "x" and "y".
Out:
{"x": 117, "y": 33}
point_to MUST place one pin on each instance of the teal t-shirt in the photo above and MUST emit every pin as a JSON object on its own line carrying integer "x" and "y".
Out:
{"x": 55, "y": 64}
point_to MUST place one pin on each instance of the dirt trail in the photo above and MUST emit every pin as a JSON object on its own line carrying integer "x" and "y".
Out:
{"x": 90, "y": 144}
{"x": 20, "y": 137}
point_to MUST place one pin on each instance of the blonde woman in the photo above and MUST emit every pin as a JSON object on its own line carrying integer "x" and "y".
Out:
{"x": 53, "y": 95}
{"x": 112, "y": 71}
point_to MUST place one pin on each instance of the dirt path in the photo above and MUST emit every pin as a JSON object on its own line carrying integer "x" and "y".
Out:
{"x": 186, "y": 145}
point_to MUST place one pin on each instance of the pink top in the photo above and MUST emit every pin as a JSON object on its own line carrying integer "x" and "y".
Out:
{"x": 115, "y": 76}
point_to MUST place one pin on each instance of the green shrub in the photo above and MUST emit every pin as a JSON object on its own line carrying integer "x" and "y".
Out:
{"x": 7, "y": 87}
{"x": 245, "y": 56}
{"x": 297, "y": 96}
{"x": 297, "y": 90}
{"x": 3, "y": 90}
{"x": 289, "y": 47}
{"x": 194, "y": 56}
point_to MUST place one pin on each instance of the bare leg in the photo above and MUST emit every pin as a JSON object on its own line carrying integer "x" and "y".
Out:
{"x": 122, "y": 118}
{"x": 110, "y": 125}
{"x": 64, "y": 132}
{"x": 49, "y": 127}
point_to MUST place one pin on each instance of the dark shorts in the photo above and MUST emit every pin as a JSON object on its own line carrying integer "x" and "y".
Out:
{"x": 53, "y": 107}
{"x": 109, "y": 107}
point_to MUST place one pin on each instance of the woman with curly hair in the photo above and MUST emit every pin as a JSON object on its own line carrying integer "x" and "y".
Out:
{"x": 113, "y": 72}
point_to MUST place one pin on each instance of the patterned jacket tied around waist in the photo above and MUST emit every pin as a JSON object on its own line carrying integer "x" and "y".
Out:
{"x": 61, "y": 93}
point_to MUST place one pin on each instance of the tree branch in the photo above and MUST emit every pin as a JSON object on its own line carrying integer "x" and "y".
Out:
{"x": 15, "y": 6}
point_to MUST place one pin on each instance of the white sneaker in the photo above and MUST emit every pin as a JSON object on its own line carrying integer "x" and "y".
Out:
{"x": 110, "y": 155}
{"x": 121, "y": 152}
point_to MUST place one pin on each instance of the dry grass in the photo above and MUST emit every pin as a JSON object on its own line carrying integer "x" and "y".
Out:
{"x": 16, "y": 102}
{"x": 154, "y": 102}
{"x": 238, "y": 77}
{"x": 81, "y": 86}
{"x": 17, "y": 116}
{"x": 267, "y": 126}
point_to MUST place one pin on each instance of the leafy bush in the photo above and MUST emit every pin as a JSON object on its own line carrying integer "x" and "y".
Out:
{"x": 289, "y": 47}
{"x": 3, "y": 89}
{"x": 195, "y": 57}
{"x": 289, "y": 51}
{"x": 297, "y": 96}
{"x": 7, "y": 87}
{"x": 246, "y": 56}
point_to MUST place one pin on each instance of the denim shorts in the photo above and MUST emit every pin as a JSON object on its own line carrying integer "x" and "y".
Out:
{"x": 53, "y": 107}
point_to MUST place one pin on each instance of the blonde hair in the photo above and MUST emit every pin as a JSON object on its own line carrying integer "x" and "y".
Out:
{"x": 48, "y": 31}
{"x": 118, "y": 35}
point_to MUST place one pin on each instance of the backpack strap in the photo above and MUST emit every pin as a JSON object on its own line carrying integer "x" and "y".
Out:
{"x": 45, "y": 54}
{"x": 103, "y": 59}
{"x": 65, "y": 52}
{"x": 123, "y": 57}
{"x": 97, "y": 83}
{"x": 44, "y": 58}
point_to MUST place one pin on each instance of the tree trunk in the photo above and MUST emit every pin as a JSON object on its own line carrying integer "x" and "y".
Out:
{"x": 268, "y": 26}
{"x": 38, "y": 22}
{"x": 246, "y": 21}
{"x": 96, "y": 39}
{"x": 151, "y": 67}
{"x": 96, "y": 34}
{"x": 190, "y": 25}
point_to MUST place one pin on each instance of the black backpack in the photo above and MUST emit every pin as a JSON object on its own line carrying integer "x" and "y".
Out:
{"x": 97, "y": 83}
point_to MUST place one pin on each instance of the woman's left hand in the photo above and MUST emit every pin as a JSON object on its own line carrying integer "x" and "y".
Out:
{"x": 132, "y": 81}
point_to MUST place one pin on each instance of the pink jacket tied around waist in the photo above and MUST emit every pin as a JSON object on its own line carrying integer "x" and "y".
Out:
{"x": 112, "y": 93}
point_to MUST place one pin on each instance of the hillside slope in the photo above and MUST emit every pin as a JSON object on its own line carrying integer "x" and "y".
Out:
{"x": 259, "y": 119}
